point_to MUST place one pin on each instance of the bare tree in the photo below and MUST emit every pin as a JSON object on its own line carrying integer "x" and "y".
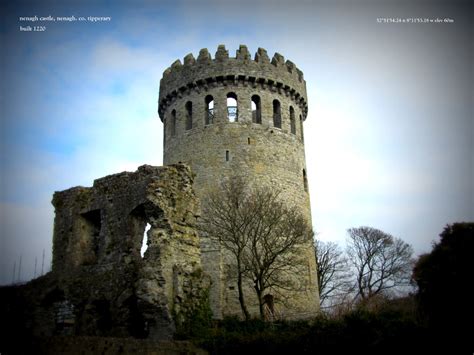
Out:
{"x": 275, "y": 240}
{"x": 382, "y": 262}
{"x": 227, "y": 219}
{"x": 333, "y": 272}
{"x": 261, "y": 232}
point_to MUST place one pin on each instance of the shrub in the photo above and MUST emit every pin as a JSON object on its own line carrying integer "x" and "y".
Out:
{"x": 387, "y": 328}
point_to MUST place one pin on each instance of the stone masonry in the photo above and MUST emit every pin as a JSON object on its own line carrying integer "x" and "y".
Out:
{"x": 237, "y": 116}
{"x": 222, "y": 117}
{"x": 100, "y": 285}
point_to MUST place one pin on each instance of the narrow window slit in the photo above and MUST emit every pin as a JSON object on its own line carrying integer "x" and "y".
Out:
{"x": 292, "y": 120}
{"x": 276, "y": 114}
{"x": 173, "y": 123}
{"x": 189, "y": 115}
{"x": 305, "y": 181}
{"x": 301, "y": 128}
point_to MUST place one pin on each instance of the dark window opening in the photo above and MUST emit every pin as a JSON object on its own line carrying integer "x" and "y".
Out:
{"x": 292, "y": 120}
{"x": 91, "y": 226}
{"x": 209, "y": 114}
{"x": 232, "y": 107}
{"x": 276, "y": 114}
{"x": 189, "y": 115}
{"x": 248, "y": 140}
{"x": 226, "y": 155}
{"x": 165, "y": 129}
{"x": 99, "y": 311}
{"x": 301, "y": 127}
{"x": 305, "y": 181}
{"x": 256, "y": 109}
{"x": 173, "y": 123}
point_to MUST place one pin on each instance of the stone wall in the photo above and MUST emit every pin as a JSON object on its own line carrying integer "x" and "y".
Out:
{"x": 100, "y": 285}
{"x": 199, "y": 75}
{"x": 257, "y": 149}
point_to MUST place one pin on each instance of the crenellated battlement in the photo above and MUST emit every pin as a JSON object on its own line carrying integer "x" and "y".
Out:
{"x": 242, "y": 55}
{"x": 204, "y": 72}
{"x": 241, "y": 115}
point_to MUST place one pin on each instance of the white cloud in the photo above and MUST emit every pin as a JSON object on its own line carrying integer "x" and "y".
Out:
{"x": 386, "y": 137}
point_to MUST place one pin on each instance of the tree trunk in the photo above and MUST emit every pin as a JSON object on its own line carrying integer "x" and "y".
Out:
{"x": 241, "y": 292}
{"x": 260, "y": 301}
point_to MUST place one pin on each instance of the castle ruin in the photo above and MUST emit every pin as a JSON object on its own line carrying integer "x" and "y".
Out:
{"x": 100, "y": 283}
{"x": 221, "y": 116}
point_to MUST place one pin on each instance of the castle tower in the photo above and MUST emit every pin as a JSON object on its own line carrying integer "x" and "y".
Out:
{"x": 237, "y": 115}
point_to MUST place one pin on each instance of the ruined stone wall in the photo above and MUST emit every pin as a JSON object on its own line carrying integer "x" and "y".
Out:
{"x": 100, "y": 285}
{"x": 255, "y": 148}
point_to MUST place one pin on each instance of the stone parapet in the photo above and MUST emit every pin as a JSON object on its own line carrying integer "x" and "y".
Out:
{"x": 198, "y": 75}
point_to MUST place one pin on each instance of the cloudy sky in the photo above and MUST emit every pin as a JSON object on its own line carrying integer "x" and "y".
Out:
{"x": 389, "y": 134}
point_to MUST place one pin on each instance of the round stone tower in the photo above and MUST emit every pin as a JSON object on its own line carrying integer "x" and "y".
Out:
{"x": 227, "y": 116}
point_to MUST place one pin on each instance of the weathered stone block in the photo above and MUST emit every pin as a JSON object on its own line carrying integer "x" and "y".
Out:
{"x": 100, "y": 284}
{"x": 262, "y": 140}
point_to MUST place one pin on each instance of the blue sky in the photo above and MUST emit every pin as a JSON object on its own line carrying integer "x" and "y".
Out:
{"x": 389, "y": 134}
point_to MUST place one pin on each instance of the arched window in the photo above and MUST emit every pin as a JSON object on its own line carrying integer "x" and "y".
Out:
{"x": 292, "y": 120}
{"x": 189, "y": 115}
{"x": 232, "y": 109}
{"x": 209, "y": 114}
{"x": 305, "y": 181}
{"x": 173, "y": 123}
{"x": 256, "y": 109}
{"x": 301, "y": 127}
{"x": 276, "y": 114}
